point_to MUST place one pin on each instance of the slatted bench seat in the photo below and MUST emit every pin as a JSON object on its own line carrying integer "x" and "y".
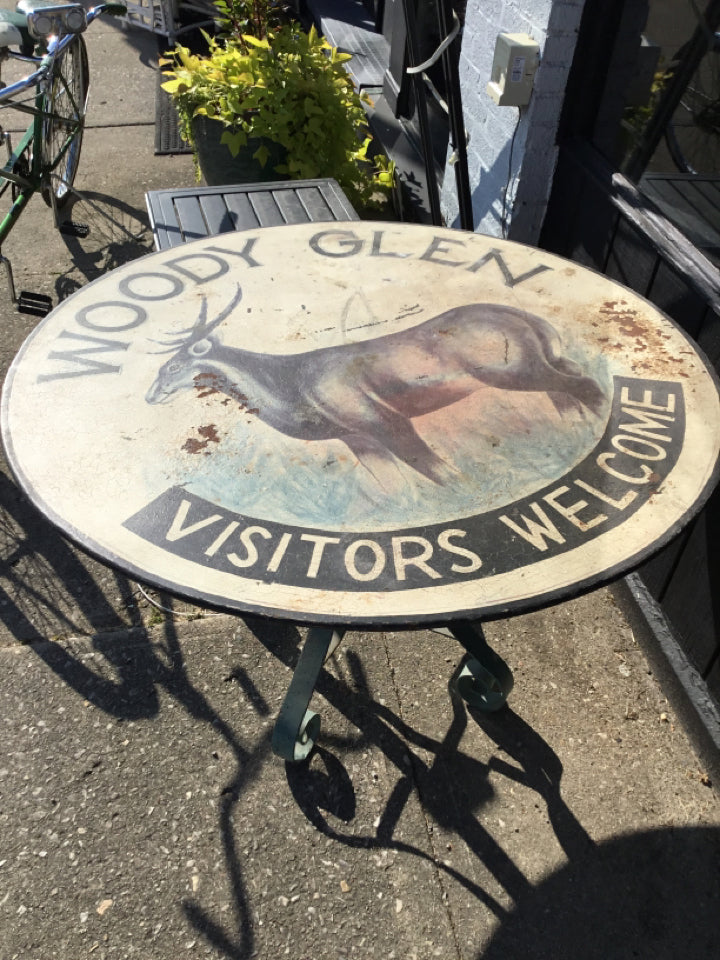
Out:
{"x": 692, "y": 203}
{"x": 188, "y": 213}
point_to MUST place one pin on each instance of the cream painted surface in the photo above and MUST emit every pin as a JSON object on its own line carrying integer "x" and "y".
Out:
{"x": 93, "y": 452}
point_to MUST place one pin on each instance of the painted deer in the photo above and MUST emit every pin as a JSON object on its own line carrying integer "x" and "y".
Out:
{"x": 367, "y": 394}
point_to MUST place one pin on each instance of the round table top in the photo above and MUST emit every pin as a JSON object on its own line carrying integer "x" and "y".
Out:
{"x": 363, "y": 423}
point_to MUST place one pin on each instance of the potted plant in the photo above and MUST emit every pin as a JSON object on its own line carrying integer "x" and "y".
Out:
{"x": 276, "y": 103}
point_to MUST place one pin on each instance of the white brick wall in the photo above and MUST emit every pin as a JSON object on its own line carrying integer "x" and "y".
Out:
{"x": 512, "y": 151}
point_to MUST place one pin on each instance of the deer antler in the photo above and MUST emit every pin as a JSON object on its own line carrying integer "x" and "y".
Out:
{"x": 201, "y": 328}
{"x": 237, "y": 297}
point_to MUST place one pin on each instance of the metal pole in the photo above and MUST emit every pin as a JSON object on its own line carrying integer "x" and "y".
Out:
{"x": 455, "y": 113}
{"x": 421, "y": 107}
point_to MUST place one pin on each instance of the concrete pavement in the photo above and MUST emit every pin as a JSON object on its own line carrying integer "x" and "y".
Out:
{"x": 142, "y": 813}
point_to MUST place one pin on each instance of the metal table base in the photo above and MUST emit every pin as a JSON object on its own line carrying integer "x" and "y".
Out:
{"x": 484, "y": 683}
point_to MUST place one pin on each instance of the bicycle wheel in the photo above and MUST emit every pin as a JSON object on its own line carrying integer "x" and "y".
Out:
{"x": 65, "y": 105}
{"x": 693, "y": 134}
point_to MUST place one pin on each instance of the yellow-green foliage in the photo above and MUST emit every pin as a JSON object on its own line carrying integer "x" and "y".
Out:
{"x": 291, "y": 88}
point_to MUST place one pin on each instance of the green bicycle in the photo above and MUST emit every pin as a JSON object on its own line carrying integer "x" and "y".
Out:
{"x": 49, "y": 36}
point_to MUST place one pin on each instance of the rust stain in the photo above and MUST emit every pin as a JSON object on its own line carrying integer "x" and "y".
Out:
{"x": 208, "y": 435}
{"x": 207, "y": 384}
{"x": 654, "y": 345}
{"x": 619, "y": 311}
{"x": 210, "y": 383}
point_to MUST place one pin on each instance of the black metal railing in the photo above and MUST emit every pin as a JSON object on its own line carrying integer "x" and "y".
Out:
{"x": 597, "y": 217}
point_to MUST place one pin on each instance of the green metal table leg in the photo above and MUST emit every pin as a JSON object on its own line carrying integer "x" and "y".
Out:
{"x": 297, "y": 727}
{"x": 486, "y": 680}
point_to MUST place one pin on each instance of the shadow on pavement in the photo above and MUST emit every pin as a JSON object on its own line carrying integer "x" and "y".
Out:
{"x": 453, "y": 788}
{"x": 625, "y": 899}
{"x": 46, "y": 587}
{"x": 116, "y": 234}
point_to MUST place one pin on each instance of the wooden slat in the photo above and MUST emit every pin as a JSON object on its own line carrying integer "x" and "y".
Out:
{"x": 192, "y": 212}
{"x": 331, "y": 195}
{"x": 290, "y": 207}
{"x": 713, "y": 681}
{"x": 704, "y": 198}
{"x": 708, "y": 338}
{"x": 657, "y": 573}
{"x": 631, "y": 259}
{"x": 189, "y": 216}
{"x": 626, "y": 199}
{"x": 316, "y": 205}
{"x": 692, "y": 600}
{"x": 579, "y": 200}
{"x": 266, "y": 209}
{"x": 216, "y": 214}
{"x": 709, "y": 190}
{"x": 244, "y": 215}
{"x": 163, "y": 221}
{"x": 346, "y": 24}
{"x": 680, "y": 203}
{"x": 671, "y": 292}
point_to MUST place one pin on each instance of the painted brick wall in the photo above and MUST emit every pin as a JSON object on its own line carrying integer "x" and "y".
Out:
{"x": 512, "y": 151}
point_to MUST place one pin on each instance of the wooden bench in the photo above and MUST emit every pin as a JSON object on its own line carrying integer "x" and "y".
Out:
{"x": 692, "y": 203}
{"x": 188, "y": 213}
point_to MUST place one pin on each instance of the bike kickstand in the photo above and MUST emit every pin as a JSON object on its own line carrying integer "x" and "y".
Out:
{"x": 69, "y": 227}
{"x": 11, "y": 282}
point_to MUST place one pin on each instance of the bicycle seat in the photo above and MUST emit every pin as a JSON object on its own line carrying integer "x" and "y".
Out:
{"x": 14, "y": 31}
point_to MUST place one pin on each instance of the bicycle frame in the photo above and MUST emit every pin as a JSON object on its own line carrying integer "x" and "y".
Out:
{"x": 28, "y": 169}
{"x": 32, "y": 181}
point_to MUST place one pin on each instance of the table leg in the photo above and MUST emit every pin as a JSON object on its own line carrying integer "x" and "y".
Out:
{"x": 486, "y": 680}
{"x": 297, "y": 727}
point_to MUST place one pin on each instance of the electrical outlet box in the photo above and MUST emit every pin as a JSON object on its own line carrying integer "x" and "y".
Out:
{"x": 516, "y": 59}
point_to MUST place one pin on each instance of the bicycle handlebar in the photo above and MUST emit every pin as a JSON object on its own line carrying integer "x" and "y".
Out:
{"x": 114, "y": 9}
{"x": 56, "y": 46}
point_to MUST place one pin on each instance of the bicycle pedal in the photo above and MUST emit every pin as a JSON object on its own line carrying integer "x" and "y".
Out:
{"x": 36, "y": 304}
{"x": 71, "y": 228}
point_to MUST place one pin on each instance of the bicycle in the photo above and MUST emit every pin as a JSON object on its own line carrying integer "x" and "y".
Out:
{"x": 693, "y": 132}
{"x": 48, "y": 35}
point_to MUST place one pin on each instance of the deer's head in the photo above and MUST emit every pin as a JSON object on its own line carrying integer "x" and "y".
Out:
{"x": 192, "y": 350}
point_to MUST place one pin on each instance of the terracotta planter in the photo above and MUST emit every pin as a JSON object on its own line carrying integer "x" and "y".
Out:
{"x": 217, "y": 164}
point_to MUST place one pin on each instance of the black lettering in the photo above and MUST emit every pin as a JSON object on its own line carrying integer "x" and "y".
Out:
{"x": 345, "y": 239}
{"x": 509, "y": 279}
{"x": 221, "y": 265}
{"x": 244, "y": 254}
{"x": 125, "y": 286}
{"x": 375, "y": 250}
{"x": 90, "y": 365}
{"x": 441, "y": 245}
{"x": 82, "y": 317}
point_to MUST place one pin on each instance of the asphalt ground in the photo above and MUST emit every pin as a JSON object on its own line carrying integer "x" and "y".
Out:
{"x": 143, "y": 814}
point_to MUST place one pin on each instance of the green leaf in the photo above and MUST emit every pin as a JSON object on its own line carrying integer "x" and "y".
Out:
{"x": 254, "y": 42}
{"x": 261, "y": 154}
